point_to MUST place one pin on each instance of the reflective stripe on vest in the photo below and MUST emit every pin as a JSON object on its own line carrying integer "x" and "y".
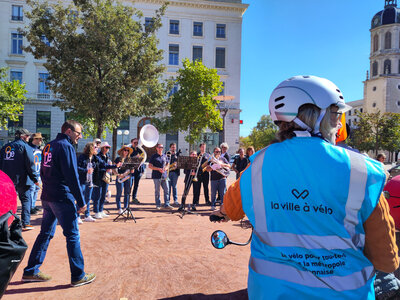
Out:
{"x": 358, "y": 181}
{"x": 288, "y": 273}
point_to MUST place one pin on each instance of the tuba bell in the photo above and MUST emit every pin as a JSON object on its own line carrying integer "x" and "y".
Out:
{"x": 148, "y": 137}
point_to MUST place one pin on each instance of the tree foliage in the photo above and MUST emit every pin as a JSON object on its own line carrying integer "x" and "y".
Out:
{"x": 103, "y": 63}
{"x": 262, "y": 134}
{"x": 376, "y": 131}
{"x": 12, "y": 99}
{"x": 193, "y": 107}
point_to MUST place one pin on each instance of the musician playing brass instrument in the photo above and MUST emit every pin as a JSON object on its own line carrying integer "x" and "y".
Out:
{"x": 158, "y": 163}
{"x": 173, "y": 173}
{"x": 202, "y": 178}
{"x": 123, "y": 173}
{"x": 138, "y": 172}
{"x": 219, "y": 168}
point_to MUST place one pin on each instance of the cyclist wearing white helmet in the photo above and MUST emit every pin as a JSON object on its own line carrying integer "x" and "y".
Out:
{"x": 321, "y": 224}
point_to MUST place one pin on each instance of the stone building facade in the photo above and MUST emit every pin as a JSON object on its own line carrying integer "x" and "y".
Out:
{"x": 206, "y": 29}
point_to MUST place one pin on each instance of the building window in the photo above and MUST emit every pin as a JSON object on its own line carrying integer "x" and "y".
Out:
{"x": 43, "y": 88}
{"x": 197, "y": 28}
{"x": 361, "y": 110}
{"x": 16, "y": 75}
{"x": 349, "y": 122}
{"x": 174, "y": 27}
{"x": 173, "y": 54}
{"x": 197, "y": 53}
{"x": 374, "y": 89}
{"x": 220, "y": 57}
{"x": 350, "y": 112}
{"x": 375, "y": 68}
{"x": 374, "y": 104}
{"x": 222, "y": 92}
{"x": 398, "y": 103}
{"x": 387, "y": 67}
{"x": 376, "y": 43}
{"x": 43, "y": 121}
{"x": 44, "y": 40}
{"x": 16, "y": 43}
{"x": 173, "y": 90}
{"x": 221, "y": 31}
{"x": 148, "y": 23}
{"x": 388, "y": 40}
{"x": 14, "y": 125}
{"x": 17, "y": 14}
{"x": 171, "y": 137}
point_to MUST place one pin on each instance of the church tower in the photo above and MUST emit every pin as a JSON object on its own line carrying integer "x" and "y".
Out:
{"x": 382, "y": 86}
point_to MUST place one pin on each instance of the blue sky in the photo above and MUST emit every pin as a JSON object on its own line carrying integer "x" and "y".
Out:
{"x": 283, "y": 38}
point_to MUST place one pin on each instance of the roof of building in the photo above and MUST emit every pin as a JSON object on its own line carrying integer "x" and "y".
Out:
{"x": 390, "y": 15}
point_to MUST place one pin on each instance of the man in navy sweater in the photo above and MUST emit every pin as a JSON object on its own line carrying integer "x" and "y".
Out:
{"x": 16, "y": 160}
{"x": 61, "y": 189}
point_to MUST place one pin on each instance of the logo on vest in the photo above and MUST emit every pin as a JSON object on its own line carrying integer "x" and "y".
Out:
{"x": 46, "y": 156}
{"x": 297, "y": 194}
{"x": 10, "y": 153}
{"x": 301, "y": 206}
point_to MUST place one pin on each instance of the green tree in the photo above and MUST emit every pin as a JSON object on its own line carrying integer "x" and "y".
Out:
{"x": 103, "y": 63}
{"x": 12, "y": 99}
{"x": 263, "y": 133}
{"x": 193, "y": 107}
{"x": 376, "y": 131}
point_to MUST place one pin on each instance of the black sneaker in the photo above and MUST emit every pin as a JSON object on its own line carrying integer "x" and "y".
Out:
{"x": 135, "y": 201}
{"x": 34, "y": 211}
{"x": 193, "y": 208}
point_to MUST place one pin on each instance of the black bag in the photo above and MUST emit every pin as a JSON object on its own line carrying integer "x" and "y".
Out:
{"x": 12, "y": 249}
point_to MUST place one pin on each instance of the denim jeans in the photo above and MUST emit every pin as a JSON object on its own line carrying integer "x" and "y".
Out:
{"x": 220, "y": 186}
{"x": 87, "y": 193}
{"x": 126, "y": 186}
{"x": 135, "y": 183}
{"x": 34, "y": 192}
{"x": 65, "y": 213}
{"x": 99, "y": 196}
{"x": 164, "y": 185}
{"x": 173, "y": 180}
{"x": 25, "y": 195}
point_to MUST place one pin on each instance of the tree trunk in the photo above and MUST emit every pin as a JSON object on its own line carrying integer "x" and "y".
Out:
{"x": 114, "y": 143}
{"x": 100, "y": 129}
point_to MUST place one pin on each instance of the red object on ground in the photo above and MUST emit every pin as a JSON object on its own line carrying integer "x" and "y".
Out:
{"x": 8, "y": 196}
{"x": 393, "y": 187}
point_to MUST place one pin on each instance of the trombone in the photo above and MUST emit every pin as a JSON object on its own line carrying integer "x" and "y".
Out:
{"x": 199, "y": 159}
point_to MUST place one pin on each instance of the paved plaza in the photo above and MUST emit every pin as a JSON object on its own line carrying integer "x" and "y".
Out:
{"x": 161, "y": 256}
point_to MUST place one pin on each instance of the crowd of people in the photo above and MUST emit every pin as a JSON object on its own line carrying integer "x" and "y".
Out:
{"x": 21, "y": 160}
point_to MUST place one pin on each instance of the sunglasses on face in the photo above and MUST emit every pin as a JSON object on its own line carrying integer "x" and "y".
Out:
{"x": 217, "y": 151}
{"x": 126, "y": 150}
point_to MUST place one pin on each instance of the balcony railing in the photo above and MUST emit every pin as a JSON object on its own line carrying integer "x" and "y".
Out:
{"x": 43, "y": 96}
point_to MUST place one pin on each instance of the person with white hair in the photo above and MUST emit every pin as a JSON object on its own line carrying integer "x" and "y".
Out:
{"x": 321, "y": 224}
{"x": 224, "y": 152}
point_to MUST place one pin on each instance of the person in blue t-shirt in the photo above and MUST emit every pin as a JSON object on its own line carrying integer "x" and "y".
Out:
{"x": 158, "y": 163}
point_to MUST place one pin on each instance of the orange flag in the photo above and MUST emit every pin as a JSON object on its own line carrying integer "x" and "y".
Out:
{"x": 342, "y": 132}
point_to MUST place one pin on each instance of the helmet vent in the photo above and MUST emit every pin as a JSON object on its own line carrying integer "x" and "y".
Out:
{"x": 337, "y": 90}
{"x": 280, "y": 105}
{"x": 341, "y": 97}
{"x": 279, "y": 98}
{"x": 306, "y": 76}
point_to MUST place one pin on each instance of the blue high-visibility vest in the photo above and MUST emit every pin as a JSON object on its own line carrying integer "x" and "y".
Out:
{"x": 308, "y": 200}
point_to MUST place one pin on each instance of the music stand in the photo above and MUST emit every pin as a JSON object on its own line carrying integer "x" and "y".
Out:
{"x": 187, "y": 163}
{"x": 129, "y": 163}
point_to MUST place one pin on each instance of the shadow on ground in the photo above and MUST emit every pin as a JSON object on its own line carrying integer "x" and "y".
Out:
{"x": 238, "y": 295}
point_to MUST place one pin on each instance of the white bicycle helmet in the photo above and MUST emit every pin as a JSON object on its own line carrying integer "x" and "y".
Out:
{"x": 292, "y": 93}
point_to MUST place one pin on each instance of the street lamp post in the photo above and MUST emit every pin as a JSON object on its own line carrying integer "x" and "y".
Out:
{"x": 224, "y": 110}
{"x": 123, "y": 133}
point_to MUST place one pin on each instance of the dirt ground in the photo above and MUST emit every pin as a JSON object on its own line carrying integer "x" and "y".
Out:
{"x": 162, "y": 256}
